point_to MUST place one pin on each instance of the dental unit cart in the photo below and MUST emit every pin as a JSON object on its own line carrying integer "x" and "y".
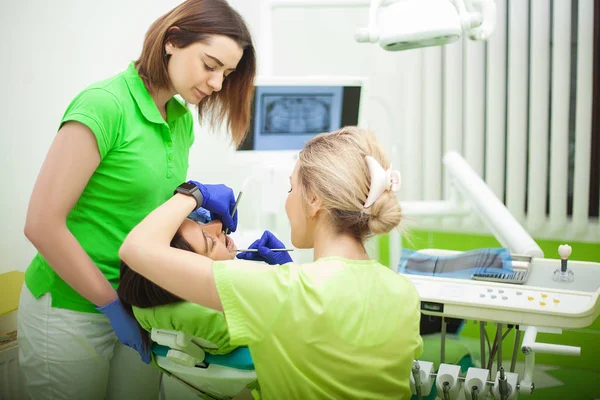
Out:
{"x": 539, "y": 302}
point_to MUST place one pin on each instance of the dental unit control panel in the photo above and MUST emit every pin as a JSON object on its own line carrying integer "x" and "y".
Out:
{"x": 539, "y": 301}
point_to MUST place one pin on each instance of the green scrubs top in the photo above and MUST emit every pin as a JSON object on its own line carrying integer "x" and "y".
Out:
{"x": 143, "y": 159}
{"x": 332, "y": 329}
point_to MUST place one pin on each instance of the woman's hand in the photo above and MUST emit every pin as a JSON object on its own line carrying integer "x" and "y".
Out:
{"x": 264, "y": 245}
{"x": 220, "y": 201}
{"x": 126, "y": 328}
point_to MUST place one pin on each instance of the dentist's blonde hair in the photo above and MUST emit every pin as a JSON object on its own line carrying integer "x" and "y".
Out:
{"x": 332, "y": 168}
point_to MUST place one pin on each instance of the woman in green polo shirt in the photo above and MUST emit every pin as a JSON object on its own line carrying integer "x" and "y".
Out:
{"x": 121, "y": 150}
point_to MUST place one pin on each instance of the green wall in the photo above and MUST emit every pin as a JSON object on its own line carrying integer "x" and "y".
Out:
{"x": 464, "y": 242}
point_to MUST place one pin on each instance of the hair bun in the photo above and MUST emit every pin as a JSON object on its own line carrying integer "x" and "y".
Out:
{"x": 385, "y": 214}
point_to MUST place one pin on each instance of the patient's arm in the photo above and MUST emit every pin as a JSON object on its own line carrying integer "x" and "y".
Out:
{"x": 147, "y": 251}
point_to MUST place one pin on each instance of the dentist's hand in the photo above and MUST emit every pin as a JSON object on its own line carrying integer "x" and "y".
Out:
{"x": 264, "y": 245}
{"x": 220, "y": 201}
{"x": 126, "y": 327}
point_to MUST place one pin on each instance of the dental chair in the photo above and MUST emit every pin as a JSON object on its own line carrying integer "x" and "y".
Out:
{"x": 190, "y": 343}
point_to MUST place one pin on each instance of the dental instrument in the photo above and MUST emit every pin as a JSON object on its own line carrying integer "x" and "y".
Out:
{"x": 237, "y": 202}
{"x": 416, "y": 379}
{"x": 256, "y": 250}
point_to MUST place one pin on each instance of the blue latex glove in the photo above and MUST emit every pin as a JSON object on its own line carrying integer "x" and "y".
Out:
{"x": 264, "y": 245}
{"x": 201, "y": 215}
{"x": 126, "y": 327}
{"x": 220, "y": 201}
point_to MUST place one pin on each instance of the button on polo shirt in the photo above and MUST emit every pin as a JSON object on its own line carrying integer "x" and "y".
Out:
{"x": 143, "y": 159}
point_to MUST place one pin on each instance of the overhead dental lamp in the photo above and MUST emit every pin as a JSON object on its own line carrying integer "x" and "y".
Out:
{"x": 409, "y": 24}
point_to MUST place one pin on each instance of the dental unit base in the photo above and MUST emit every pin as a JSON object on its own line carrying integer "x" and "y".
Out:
{"x": 538, "y": 304}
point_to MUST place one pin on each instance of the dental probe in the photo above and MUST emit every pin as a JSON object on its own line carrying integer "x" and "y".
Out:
{"x": 256, "y": 250}
{"x": 237, "y": 201}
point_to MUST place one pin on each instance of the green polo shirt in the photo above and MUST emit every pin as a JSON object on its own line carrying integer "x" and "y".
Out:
{"x": 143, "y": 159}
{"x": 331, "y": 329}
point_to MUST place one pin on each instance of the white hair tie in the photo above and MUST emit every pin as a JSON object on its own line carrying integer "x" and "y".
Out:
{"x": 381, "y": 180}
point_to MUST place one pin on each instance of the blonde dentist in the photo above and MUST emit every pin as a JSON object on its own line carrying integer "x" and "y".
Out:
{"x": 341, "y": 327}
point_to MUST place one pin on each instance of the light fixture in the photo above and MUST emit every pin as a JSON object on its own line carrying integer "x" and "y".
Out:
{"x": 408, "y": 24}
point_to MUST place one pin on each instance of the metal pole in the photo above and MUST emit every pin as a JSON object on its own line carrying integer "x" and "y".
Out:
{"x": 513, "y": 362}
{"x": 482, "y": 342}
{"x": 443, "y": 346}
{"x": 499, "y": 352}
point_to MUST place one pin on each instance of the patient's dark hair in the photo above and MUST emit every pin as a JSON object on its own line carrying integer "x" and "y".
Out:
{"x": 136, "y": 290}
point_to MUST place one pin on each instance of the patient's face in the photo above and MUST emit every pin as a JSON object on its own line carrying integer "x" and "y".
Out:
{"x": 208, "y": 239}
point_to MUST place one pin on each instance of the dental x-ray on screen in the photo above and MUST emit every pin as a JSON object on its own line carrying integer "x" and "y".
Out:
{"x": 286, "y": 114}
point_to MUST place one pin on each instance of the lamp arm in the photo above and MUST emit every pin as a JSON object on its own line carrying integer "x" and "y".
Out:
{"x": 370, "y": 33}
{"x": 468, "y": 17}
{"x": 488, "y": 18}
{"x": 373, "y": 16}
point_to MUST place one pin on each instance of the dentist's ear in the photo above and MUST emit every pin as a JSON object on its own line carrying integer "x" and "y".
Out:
{"x": 314, "y": 206}
{"x": 168, "y": 45}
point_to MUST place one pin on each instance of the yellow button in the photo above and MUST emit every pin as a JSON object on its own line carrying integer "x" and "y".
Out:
{"x": 170, "y": 157}
{"x": 530, "y": 298}
{"x": 544, "y": 295}
{"x": 169, "y": 144}
{"x": 556, "y": 301}
{"x": 542, "y": 303}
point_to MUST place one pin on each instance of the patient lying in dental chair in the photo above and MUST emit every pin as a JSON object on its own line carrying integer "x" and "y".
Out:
{"x": 155, "y": 307}
{"x": 205, "y": 361}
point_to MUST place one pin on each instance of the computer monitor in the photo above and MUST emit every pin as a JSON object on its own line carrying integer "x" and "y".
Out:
{"x": 288, "y": 111}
